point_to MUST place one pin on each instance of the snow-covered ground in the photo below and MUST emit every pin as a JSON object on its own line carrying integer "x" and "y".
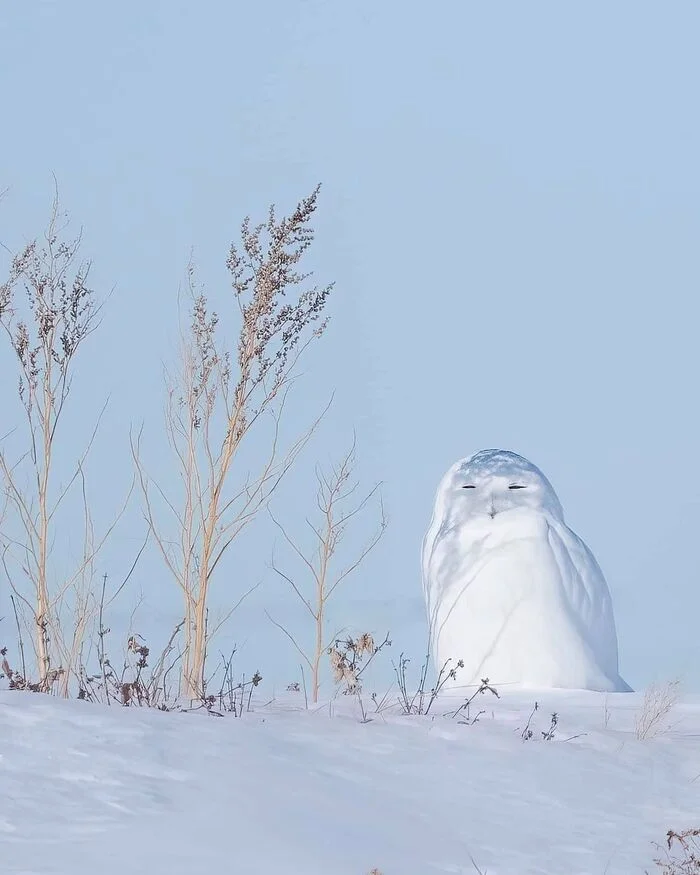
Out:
{"x": 87, "y": 789}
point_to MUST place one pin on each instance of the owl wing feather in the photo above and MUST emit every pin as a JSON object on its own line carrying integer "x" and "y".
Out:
{"x": 586, "y": 589}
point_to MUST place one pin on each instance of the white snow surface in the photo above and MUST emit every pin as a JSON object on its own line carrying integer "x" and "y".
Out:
{"x": 510, "y": 589}
{"x": 88, "y": 789}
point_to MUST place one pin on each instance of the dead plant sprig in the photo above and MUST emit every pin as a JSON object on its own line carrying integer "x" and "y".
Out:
{"x": 464, "y": 710}
{"x": 659, "y": 701}
{"x": 422, "y": 699}
{"x": 681, "y": 853}
{"x": 527, "y": 732}
{"x": 350, "y": 658}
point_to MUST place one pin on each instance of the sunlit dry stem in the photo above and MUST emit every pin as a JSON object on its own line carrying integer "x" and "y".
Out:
{"x": 218, "y": 399}
{"x": 62, "y": 313}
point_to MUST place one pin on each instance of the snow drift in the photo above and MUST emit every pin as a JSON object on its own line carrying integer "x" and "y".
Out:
{"x": 283, "y": 791}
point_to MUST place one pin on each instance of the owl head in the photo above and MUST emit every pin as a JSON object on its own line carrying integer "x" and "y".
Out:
{"x": 493, "y": 482}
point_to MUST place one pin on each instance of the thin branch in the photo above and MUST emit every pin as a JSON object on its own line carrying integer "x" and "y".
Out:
{"x": 291, "y": 638}
{"x": 296, "y": 589}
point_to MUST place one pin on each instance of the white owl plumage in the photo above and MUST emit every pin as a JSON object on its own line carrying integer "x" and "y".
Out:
{"x": 510, "y": 589}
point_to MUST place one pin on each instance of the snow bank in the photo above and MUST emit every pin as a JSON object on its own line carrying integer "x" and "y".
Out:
{"x": 87, "y": 789}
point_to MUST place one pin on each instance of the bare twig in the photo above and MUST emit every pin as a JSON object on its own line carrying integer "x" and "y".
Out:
{"x": 415, "y": 702}
{"x": 659, "y": 701}
{"x": 20, "y": 640}
{"x": 337, "y": 507}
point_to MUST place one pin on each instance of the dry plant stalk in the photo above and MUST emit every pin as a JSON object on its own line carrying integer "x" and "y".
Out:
{"x": 422, "y": 700}
{"x": 218, "y": 401}
{"x": 350, "y": 658}
{"x": 659, "y": 701}
{"x": 338, "y": 506}
{"x": 347, "y": 657}
{"x": 61, "y": 312}
{"x": 681, "y": 854}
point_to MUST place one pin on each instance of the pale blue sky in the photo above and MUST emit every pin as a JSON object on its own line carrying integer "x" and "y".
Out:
{"x": 510, "y": 212}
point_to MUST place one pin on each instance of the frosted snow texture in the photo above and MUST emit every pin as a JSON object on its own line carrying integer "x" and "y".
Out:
{"x": 510, "y": 588}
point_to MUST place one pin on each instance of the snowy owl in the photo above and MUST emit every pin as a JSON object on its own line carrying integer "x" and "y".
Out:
{"x": 510, "y": 589}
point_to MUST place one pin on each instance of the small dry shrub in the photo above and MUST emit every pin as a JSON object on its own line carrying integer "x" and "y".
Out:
{"x": 347, "y": 657}
{"x": 423, "y": 699}
{"x": 681, "y": 854}
{"x": 659, "y": 701}
{"x": 464, "y": 710}
{"x": 129, "y": 685}
{"x": 350, "y": 658}
{"x": 18, "y": 681}
{"x": 234, "y": 696}
{"x": 528, "y": 732}
{"x": 136, "y": 684}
